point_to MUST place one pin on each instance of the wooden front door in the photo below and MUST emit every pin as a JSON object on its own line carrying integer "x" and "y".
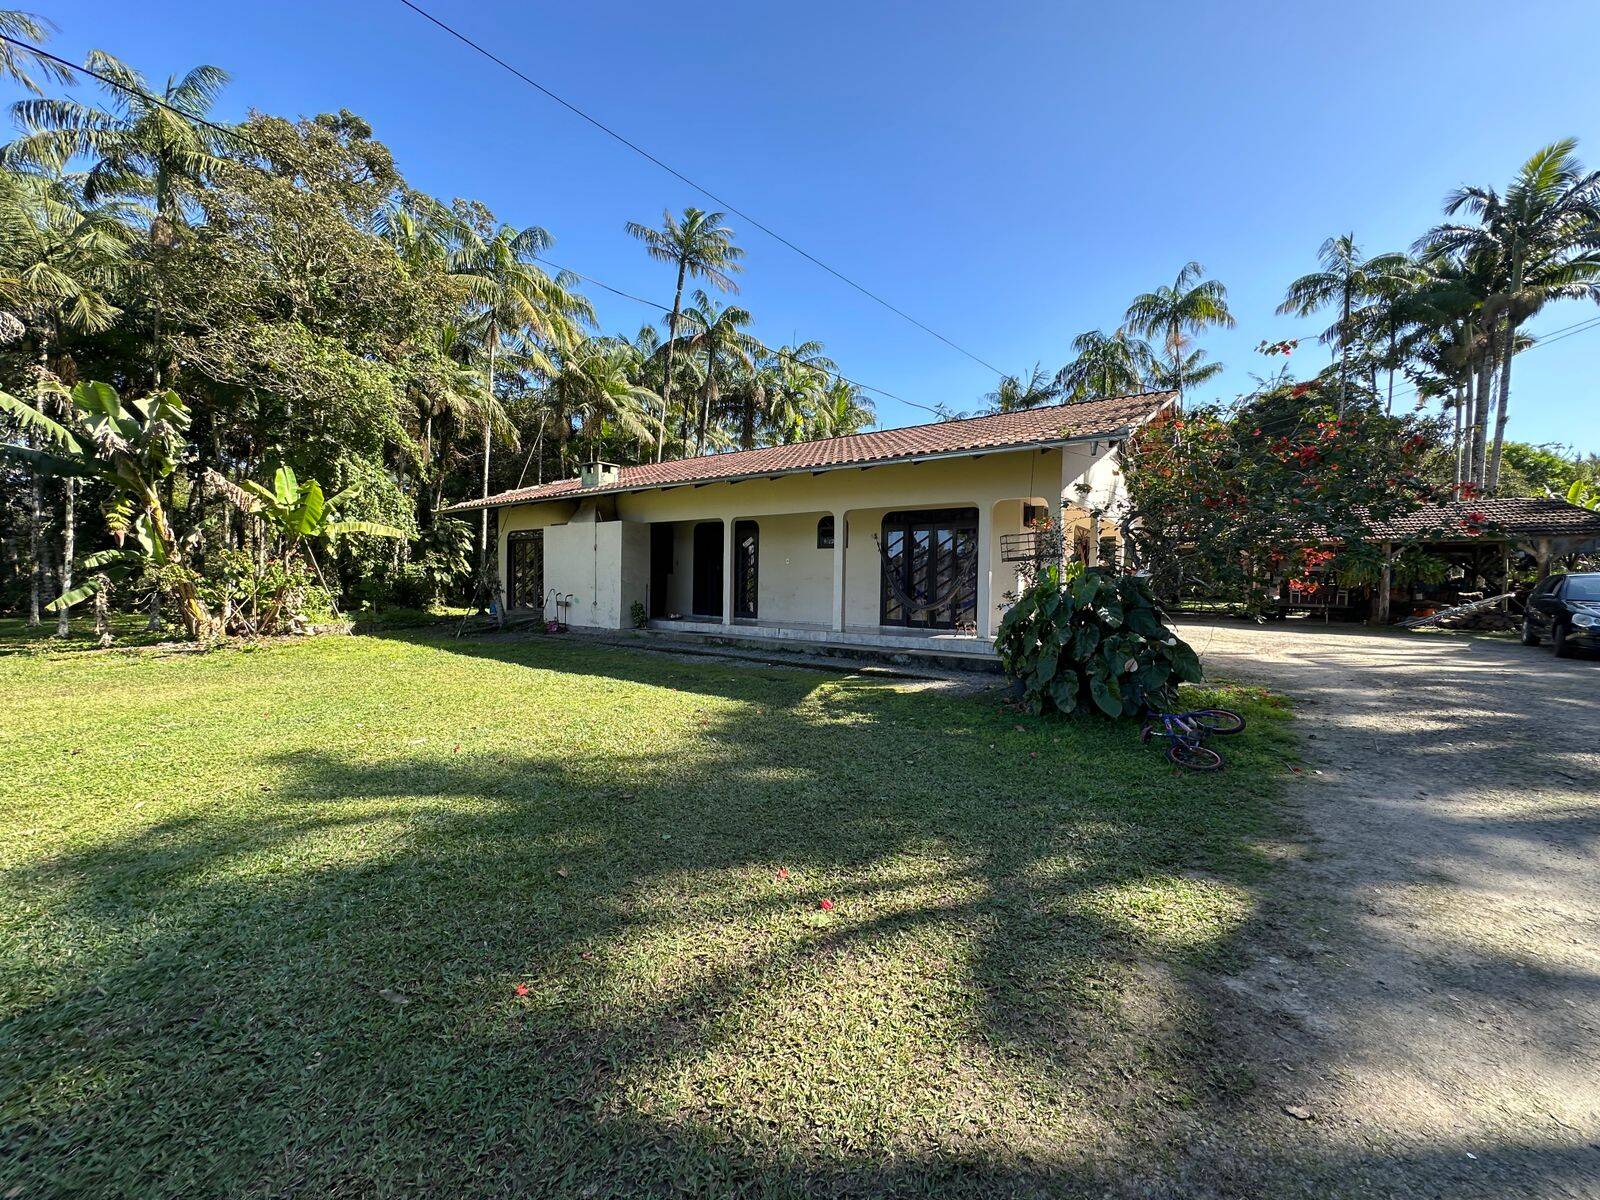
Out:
{"x": 930, "y": 555}
{"x": 707, "y": 597}
{"x": 525, "y": 569}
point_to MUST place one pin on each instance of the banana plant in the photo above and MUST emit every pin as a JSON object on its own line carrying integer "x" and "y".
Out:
{"x": 1584, "y": 494}
{"x": 299, "y": 514}
{"x": 130, "y": 447}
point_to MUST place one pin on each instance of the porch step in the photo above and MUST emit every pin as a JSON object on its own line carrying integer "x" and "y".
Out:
{"x": 779, "y": 648}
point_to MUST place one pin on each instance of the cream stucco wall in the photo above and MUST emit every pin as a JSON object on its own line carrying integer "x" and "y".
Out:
{"x": 605, "y": 563}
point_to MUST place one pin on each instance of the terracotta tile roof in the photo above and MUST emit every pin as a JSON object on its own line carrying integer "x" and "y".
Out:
{"x": 1057, "y": 423}
{"x": 1514, "y": 516}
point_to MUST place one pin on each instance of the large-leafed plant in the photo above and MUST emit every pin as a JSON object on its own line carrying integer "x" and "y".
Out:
{"x": 1078, "y": 639}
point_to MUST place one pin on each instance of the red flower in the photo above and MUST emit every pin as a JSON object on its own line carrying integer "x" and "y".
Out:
{"x": 825, "y": 905}
{"x": 521, "y": 989}
{"x": 783, "y": 873}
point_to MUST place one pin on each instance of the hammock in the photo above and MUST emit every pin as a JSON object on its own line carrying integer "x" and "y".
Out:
{"x": 915, "y": 607}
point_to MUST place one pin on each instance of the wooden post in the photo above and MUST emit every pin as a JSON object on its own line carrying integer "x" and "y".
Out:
{"x": 1542, "y": 556}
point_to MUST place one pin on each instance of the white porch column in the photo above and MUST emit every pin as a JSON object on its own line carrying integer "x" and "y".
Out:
{"x": 985, "y": 558}
{"x": 840, "y": 536}
{"x": 727, "y": 570}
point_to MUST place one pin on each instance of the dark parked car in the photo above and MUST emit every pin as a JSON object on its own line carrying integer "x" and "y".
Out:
{"x": 1565, "y": 609}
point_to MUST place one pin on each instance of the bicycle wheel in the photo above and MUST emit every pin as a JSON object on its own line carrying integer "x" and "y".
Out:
{"x": 1194, "y": 756}
{"x": 1217, "y": 720}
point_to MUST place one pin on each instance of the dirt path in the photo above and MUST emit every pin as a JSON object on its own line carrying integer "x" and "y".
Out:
{"x": 1429, "y": 985}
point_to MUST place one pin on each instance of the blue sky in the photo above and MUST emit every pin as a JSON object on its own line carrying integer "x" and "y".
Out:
{"x": 1010, "y": 174}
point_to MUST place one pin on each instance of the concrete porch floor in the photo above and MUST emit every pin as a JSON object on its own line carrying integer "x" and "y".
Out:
{"x": 886, "y": 643}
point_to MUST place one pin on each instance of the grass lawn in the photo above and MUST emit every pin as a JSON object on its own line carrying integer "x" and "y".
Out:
{"x": 267, "y": 917}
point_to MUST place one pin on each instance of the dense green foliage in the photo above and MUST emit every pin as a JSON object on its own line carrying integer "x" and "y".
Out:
{"x": 316, "y": 313}
{"x": 290, "y": 967}
{"x": 1230, "y": 500}
{"x": 1080, "y": 639}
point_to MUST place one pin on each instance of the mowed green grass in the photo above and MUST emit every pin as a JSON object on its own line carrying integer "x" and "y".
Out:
{"x": 264, "y": 914}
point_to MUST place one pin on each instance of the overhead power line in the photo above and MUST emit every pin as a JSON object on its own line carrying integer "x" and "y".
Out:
{"x": 779, "y": 353}
{"x": 704, "y": 191}
{"x": 229, "y": 130}
{"x": 250, "y": 141}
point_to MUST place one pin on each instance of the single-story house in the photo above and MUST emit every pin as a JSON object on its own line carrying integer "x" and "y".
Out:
{"x": 876, "y": 538}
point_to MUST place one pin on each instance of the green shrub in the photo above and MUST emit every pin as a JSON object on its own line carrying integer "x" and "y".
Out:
{"x": 1081, "y": 639}
{"x": 641, "y": 619}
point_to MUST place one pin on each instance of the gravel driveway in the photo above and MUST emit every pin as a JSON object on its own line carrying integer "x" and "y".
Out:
{"x": 1428, "y": 986}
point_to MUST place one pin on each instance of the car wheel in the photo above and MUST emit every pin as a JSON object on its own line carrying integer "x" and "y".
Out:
{"x": 1559, "y": 641}
{"x": 1529, "y": 636}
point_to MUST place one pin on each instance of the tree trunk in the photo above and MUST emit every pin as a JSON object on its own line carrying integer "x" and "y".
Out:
{"x": 35, "y": 548}
{"x": 672, "y": 349}
{"x": 1506, "y": 352}
{"x": 69, "y": 547}
{"x": 483, "y": 513}
{"x": 1480, "y": 414}
{"x": 1344, "y": 353}
{"x": 102, "y": 615}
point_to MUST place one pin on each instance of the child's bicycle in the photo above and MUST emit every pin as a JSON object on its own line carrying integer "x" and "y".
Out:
{"x": 1186, "y": 733}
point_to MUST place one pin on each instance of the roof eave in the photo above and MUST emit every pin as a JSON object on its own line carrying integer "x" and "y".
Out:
{"x": 775, "y": 473}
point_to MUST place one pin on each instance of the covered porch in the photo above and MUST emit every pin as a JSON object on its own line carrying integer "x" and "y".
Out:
{"x": 902, "y": 578}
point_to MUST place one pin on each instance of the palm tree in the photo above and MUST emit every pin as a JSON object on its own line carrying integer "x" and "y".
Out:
{"x": 1190, "y": 306}
{"x": 59, "y": 261}
{"x": 516, "y": 307}
{"x": 1344, "y": 280}
{"x": 842, "y": 410}
{"x": 1114, "y": 365}
{"x": 1016, "y": 393}
{"x": 795, "y": 381}
{"x": 701, "y": 246}
{"x": 593, "y": 386}
{"x": 717, "y": 335}
{"x": 1543, "y": 239}
{"x": 16, "y": 62}
{"x": 160, "y": 153}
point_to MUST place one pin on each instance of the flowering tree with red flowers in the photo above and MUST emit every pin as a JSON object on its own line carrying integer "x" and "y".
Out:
{"x": 1226, "y": 502}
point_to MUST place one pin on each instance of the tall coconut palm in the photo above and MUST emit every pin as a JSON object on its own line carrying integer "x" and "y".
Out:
{"x": 59, "y": 263}
{"x": 718, "y": 337}
{"x": 1175, "y": 313}
{"x": 700, "y": 246}
{"x": 516, "y": 307}
{"x": 158, "y": 153}
{"x": 1105, "y": 365}
{"x": 1345, "y": 279}
{"x": 20, "y": 64}
{"x": 1543, "y": 237}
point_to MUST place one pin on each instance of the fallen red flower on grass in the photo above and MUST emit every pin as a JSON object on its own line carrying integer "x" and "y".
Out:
{"x": 825, "y": 905}
{"x": 783, "y": 873}
{"x": 521, "y": 989}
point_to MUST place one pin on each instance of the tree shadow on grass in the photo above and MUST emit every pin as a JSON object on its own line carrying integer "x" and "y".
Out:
{"x": 314, "y": 992}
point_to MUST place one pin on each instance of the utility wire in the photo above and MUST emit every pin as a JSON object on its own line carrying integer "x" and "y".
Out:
{"x": 779, "y": 353}
{"x": 248, "y": 140}
{"x": 229, "y": 130}
{"x": 704, "y": 191}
